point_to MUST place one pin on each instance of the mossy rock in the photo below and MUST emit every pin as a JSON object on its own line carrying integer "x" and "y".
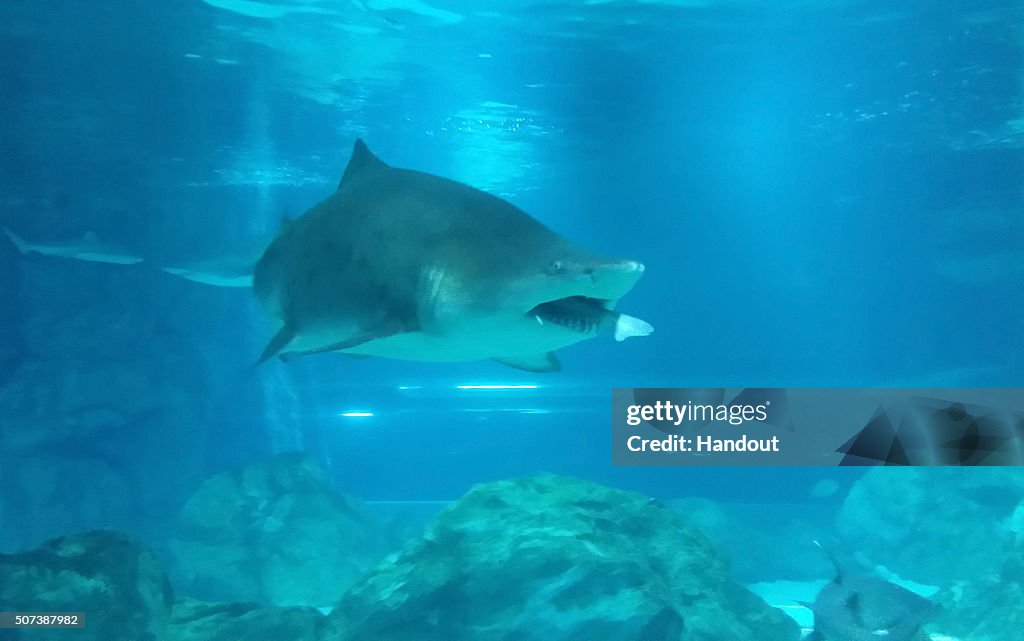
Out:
{"x": 553, "y": 558}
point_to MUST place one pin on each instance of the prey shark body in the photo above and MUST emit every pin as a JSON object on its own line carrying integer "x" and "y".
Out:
{"x": 215, "y": 275}
{"x": 404, "y": 264}
{"x": 230, "y": 267}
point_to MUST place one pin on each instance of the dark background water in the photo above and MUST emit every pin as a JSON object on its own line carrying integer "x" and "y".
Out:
{"x": 823, "y": 194}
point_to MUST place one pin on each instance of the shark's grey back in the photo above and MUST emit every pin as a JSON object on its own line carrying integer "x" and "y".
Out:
{"x": 372, "y": 237}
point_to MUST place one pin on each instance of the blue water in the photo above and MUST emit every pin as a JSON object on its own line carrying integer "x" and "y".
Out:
{"x": 824, "y": 194}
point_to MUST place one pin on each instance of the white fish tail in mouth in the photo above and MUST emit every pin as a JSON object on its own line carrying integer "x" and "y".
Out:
{"x": 629, "y": 326}
{"x": 591, "y": 316}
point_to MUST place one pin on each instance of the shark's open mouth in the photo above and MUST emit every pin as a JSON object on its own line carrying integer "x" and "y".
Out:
{"x": 579, "y": 313}
{"x": 590, "y": 316}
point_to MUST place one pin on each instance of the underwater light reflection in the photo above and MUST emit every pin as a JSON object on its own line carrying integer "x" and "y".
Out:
{"x": 493, "y": 387}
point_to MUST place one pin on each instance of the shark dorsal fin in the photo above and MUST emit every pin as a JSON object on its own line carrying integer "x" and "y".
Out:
{"x": 362, "y": 160}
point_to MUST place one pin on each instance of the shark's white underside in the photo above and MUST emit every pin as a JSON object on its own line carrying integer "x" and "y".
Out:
{"x": 471, "y": 341}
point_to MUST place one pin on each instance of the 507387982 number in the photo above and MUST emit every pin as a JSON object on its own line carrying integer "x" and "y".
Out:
{"x": 42, "y": 620}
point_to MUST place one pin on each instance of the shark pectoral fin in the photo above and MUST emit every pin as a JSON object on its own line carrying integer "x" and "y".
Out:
{"x": 277, "y": 343}
{"x": 545, "y": 362}
{"x": 354, "y": 341}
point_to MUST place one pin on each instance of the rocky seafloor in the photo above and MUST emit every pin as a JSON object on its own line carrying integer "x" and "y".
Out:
{"x": 276, "y": 554}
{"x": 271, "y": 552}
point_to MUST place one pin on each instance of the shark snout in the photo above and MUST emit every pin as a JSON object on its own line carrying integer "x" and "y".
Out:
{"x": 627, "y": 267}
{"x": 611, "y": 280}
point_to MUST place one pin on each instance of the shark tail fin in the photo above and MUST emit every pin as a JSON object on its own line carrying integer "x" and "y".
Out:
{"x": 18, "y": 241}
{"x": 833, "y": 560}
{"x": 628, "y": 326}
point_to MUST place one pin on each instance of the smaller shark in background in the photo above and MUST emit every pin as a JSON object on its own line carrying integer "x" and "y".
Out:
{"x": 214, "y": 273}
{"x": 88, "y": 248}
{"x": 232, "y": 268}
{"x": 867, "y": 608}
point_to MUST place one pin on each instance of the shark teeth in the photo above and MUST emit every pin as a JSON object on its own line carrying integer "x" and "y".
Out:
{"x": 577, "y": 313}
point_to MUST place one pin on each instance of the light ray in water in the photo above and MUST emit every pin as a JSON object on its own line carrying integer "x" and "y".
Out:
{"x": 493, "y": 387}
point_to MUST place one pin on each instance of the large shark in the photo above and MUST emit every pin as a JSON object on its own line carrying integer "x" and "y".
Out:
{"x": 89, "y": 248}
{"x": 404, "y": 264}
{"x": 867, "y": 608}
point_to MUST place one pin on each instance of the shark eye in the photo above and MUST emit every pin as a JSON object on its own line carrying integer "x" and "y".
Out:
{"x": 555, "y": 266}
